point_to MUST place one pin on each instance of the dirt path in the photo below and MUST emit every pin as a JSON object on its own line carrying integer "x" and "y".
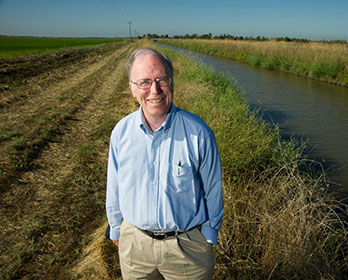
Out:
{"x": 53, "y": 161}
{"x": 28, "y": 122}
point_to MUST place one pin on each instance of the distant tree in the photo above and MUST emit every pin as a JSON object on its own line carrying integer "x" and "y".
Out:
{"x": 205, "y": 36}
{"x": 264, "y": 38}
{"x": 151, "y": 36}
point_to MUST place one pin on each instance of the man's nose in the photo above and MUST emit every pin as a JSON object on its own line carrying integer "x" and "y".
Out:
{"x": 155, "y": 88}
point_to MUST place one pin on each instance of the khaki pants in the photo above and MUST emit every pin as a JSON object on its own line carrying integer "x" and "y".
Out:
{"x": 186, "y": 256}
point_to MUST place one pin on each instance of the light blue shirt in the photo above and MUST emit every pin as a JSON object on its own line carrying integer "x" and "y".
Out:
{"x": 167, "y": 180}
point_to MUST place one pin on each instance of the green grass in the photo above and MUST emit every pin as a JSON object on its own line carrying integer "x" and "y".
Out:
{"x": 23, "y": 46}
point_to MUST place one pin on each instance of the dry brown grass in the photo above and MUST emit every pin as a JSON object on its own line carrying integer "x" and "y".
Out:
{"x": 281, "y": 224}
{"x": 99, "y": 259}
{"x": 303, "y": 51}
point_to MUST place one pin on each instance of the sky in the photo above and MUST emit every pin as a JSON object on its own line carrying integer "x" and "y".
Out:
{"x": 310, "y": 19}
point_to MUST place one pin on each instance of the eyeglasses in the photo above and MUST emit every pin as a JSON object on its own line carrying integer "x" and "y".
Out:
{"x": 147, "y": 83}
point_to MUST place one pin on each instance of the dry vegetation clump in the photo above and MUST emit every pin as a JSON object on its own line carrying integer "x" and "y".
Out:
{"x": 282, "y": 224}
{"x": 99, "y": 259}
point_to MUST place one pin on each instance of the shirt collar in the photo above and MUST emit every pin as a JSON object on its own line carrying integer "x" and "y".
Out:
{"x": 166, "y": 124}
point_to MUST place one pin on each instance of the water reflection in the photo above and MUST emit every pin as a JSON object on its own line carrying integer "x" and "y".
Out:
{"x": 301, "y": 107}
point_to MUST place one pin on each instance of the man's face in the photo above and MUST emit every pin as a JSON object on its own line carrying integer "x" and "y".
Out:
{"x": 155, "y": 101}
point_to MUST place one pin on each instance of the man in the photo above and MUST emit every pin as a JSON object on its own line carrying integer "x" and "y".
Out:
{"x": 164, "y": 199}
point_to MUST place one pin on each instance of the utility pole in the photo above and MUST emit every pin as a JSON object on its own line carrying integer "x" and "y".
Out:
{"x": 135, "y": 34}
{"x": 130, "y": 30}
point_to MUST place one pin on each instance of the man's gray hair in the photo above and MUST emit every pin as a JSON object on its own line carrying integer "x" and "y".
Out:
{"x": 142, "y": 51}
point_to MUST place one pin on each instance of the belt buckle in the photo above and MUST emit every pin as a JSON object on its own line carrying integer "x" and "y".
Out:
{"x": 159, "y": 235}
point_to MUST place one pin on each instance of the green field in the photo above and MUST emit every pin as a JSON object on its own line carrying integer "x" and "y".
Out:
{"x": 23, "y": 46}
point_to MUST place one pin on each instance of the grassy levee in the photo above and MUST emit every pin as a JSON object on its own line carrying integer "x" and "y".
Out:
{"x": 280, "y": 221}
{"x": 13, "y": 46}
{"x": 321, "y": 61}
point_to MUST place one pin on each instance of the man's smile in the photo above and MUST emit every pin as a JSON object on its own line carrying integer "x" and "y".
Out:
{"x": 155, "y": 101}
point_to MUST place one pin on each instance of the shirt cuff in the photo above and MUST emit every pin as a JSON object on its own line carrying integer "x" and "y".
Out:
{"x": 115, "y": 234}
{"x": 210, "y": 234}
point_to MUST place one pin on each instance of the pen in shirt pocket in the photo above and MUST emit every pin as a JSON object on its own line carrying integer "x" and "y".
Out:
{"x": 179, "y": 166}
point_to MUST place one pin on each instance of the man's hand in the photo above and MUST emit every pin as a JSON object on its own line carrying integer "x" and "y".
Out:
{"x": 115, "y": 242}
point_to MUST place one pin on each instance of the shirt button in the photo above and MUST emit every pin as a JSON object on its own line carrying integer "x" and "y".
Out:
{"x": 153, "y": 204}
{"x": 155, "y": 162}
{"x": 154, "y": 182}
{"x": 156, "y": 142}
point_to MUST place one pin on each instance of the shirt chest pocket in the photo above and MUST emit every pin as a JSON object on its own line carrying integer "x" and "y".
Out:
{"x": 180, "y": 178}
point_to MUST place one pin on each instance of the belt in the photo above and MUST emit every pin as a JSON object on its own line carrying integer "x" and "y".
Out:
{"x": 160, "y": 235}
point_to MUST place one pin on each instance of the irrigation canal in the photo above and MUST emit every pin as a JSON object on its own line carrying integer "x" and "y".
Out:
{"x": 303, "y": 108}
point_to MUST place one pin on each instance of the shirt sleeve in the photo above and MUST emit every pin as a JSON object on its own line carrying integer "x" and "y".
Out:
{"x": 210, "y": 173}
{"x": 112, "y": 192}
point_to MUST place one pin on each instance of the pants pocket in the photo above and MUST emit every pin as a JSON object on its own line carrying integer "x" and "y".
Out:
{"x": 126, "y": 240}
{"x": 195, "y": 247}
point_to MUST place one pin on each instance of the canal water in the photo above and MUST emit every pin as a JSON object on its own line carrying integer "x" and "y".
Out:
{"x": 302, "y": 108}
